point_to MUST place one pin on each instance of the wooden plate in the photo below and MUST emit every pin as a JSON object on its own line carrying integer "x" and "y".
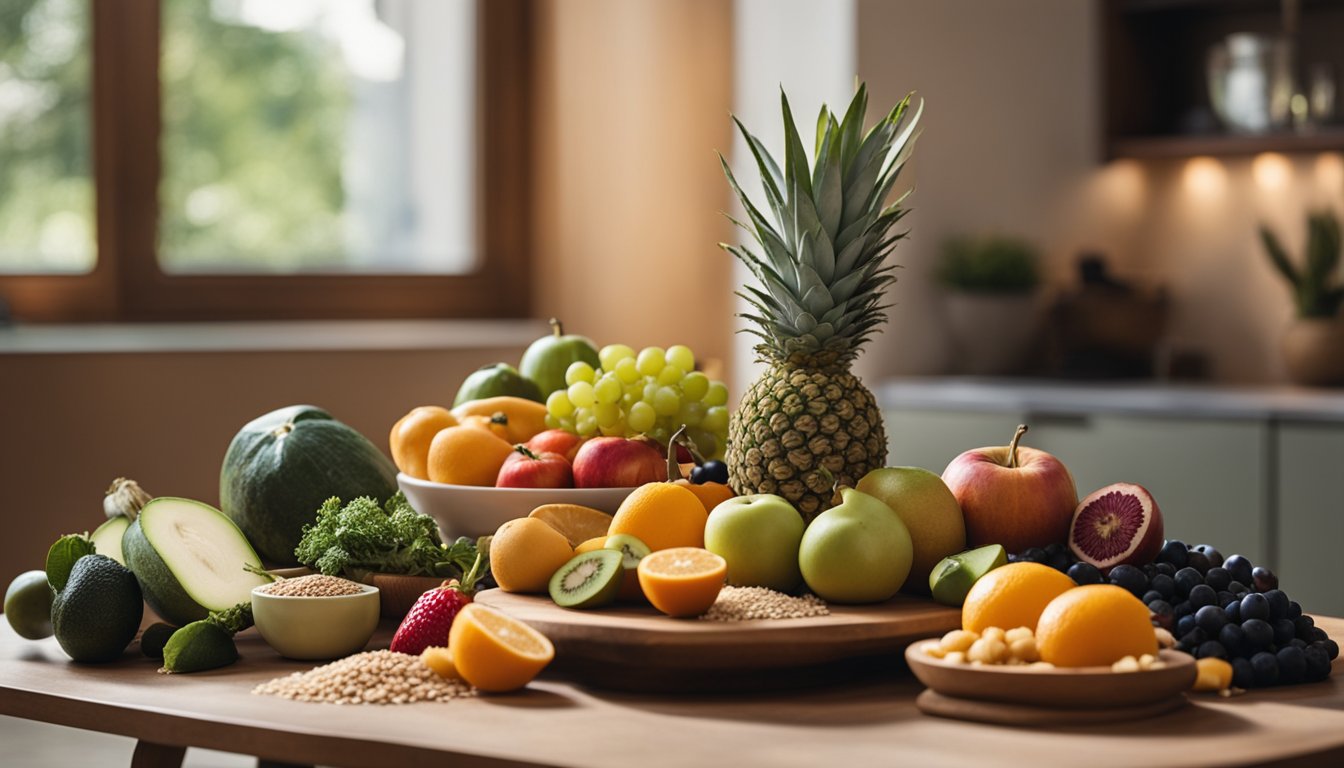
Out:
{"x": 637, "y": 648}
{"x": 930, "y": 702}
{"x": 1059, "y": 688}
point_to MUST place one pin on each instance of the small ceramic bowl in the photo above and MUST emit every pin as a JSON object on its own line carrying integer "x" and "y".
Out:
{"x": 311, "y": 628}
{"x": 468, "y": 510}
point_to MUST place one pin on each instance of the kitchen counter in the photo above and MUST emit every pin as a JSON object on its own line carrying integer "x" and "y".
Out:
{"x": 1054, "y": 397}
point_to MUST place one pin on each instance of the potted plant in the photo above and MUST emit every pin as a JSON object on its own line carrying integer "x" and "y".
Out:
{"x": 1313, "y": 345}
{"x": 990, "y": 296}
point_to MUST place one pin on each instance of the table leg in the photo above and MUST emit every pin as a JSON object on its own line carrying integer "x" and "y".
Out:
{"x": 151, "y": 755}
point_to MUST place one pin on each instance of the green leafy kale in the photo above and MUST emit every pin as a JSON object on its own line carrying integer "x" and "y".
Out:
{"x": 393, "y": 538}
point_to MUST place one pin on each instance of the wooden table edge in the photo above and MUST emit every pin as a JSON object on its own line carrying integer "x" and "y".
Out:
{"x": 284, "y": 744}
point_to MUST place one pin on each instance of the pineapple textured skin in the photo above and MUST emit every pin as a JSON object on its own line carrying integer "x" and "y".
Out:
{"x": 792, "y": 422}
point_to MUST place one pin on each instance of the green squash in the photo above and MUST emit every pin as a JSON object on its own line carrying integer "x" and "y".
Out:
{"x": 280, "y": 468}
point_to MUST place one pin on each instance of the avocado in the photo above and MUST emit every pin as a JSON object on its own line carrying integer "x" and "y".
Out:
{"x": 154, "y": 638}
{"x": 199, "y": 646}
{"x": 497, "y": 380}
{"x": 98, "y": 612}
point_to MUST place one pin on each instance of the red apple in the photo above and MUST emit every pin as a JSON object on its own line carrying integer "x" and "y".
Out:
{"x": 556, "y": 441}
{"x": 1015, "y": 496}
{"x": 526, "y": 469}
{"x": 615, "y": 462}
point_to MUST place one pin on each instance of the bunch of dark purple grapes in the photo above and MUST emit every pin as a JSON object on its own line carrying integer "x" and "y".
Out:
{"x": 1216, "y": 606}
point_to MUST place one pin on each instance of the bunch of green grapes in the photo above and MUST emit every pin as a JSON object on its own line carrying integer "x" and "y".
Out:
{"x": 653, "y": 393}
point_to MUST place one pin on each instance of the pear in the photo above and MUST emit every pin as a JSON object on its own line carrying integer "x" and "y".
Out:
{"x": 952, "y": 578}
{"x": 856, "y": 552}
{"x": 929, "y": 511}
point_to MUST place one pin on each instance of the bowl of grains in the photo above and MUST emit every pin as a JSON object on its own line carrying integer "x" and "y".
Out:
{"x": 315, "y": 616}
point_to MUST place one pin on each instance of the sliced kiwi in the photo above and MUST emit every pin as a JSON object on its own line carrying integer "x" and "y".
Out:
{"x": 632, "y": 551}
{"x": 589, "y": 580}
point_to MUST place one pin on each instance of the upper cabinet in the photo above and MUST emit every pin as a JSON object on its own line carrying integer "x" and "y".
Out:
{"x": 1221, "y": 77}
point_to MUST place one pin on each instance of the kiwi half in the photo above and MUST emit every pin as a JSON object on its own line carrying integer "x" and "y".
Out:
{"x": 589, "y": 580}
{"x": 632, "y": 551}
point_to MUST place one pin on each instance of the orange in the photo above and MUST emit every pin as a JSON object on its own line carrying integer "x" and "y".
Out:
{"x": 1094, "y": 626}
{"x": 522, "y": 419}
{"x": 441, "y": 661}
{"x": 494, "y": 652}
{"x": 1012, "y": 595}
{"x": 577, "y": 523}
{"x": 525, "y": 553}
{"x": 466, "y": 456}
{"x": 662, "y": 515}
{"x": 412, "y": 434}
{"x": 597, "y": 542}
{"x": 682, "y": 581}
{"x": 710, "y": 495}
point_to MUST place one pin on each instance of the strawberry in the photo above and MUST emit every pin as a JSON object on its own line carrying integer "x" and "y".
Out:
{"x": 428, "y": 621}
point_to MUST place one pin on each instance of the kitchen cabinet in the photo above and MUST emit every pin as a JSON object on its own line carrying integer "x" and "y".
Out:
{"x": 1209, "y": 476}
{"x": 1310, "y": 512}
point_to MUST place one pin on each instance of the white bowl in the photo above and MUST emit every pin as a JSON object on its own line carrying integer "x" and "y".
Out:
{"x": 472, "y": 510}
{"x": 312, "y": 628}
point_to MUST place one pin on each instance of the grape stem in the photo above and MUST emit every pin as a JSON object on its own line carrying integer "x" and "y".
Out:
{"x": 1011, "y": 463}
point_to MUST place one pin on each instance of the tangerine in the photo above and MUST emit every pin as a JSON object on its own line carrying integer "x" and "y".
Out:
{"x": 411, "y": 436}
{"x": 525, "y": 553}
{"x": 1094, "y": 625}
{"x": 1012, "y": 595}
{"x": 466, "y": 456}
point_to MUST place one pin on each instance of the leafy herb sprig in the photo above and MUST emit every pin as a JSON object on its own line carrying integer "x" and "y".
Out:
{"x": 393, "y": 538}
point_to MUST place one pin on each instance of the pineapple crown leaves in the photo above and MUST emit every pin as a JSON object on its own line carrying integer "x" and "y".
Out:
{"x": 1316, "y": 288}
{"x": 821, "y": 251}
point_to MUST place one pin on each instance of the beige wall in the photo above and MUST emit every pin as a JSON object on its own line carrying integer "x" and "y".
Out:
{"x": 1010, "y": 146}
{"x": 634, "y": 97}
{"x": 69, "y": 424}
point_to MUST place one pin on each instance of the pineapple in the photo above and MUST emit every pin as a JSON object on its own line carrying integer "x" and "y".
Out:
{"x": 808, "y": 422}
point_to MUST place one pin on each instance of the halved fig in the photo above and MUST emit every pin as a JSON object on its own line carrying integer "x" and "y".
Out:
{"x": 1116, "y": 525}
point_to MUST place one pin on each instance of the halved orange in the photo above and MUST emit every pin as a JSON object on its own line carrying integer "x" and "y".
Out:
{"x": 682, "y": 581}
{"x": 578, "y": 523}
{"x": 495, "y": 652}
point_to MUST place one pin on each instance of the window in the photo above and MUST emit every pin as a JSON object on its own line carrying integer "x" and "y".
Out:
{"x": 203, "y": 159}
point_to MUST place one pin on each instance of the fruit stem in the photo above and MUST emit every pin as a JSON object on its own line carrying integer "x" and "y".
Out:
{"x": 556, "y": 328}
{"x": 673, "y": 466}
{"x": 500, "y": 417}
{"x": 467, "y": 585}
{"x": 1012, "y": 447}
{"x": 520, "y": 448}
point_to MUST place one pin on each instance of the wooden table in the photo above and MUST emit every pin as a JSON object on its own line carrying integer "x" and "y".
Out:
{"x": 556, "y": 723}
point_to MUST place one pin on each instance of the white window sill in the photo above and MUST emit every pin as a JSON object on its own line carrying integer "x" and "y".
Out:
{"x": 277, "y": 336}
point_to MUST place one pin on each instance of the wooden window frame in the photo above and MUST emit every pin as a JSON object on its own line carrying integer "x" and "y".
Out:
{"x": 127, "y": 283}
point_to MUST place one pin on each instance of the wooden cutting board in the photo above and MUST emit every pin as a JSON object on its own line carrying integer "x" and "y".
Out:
{"x": 636, "y": 648}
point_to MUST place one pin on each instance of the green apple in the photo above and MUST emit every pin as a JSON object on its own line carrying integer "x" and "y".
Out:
{"x": 497, "y": 380}
{"x": 547, "y": 359}
{"x": 759, "y": 536}
{"x": 928, "y": 509}
{"x": 952, "y": 578}
{"x": 856, "y": 552}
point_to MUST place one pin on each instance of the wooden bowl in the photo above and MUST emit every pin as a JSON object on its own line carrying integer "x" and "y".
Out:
{"x": 1060, "y": 687}
{"x": 398, "y": 592}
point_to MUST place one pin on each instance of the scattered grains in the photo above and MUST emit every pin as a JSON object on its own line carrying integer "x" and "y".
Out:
{"x": 315, "y": 585}
{"x": 749, "y": 603}
{"x": 374, "y": 677}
